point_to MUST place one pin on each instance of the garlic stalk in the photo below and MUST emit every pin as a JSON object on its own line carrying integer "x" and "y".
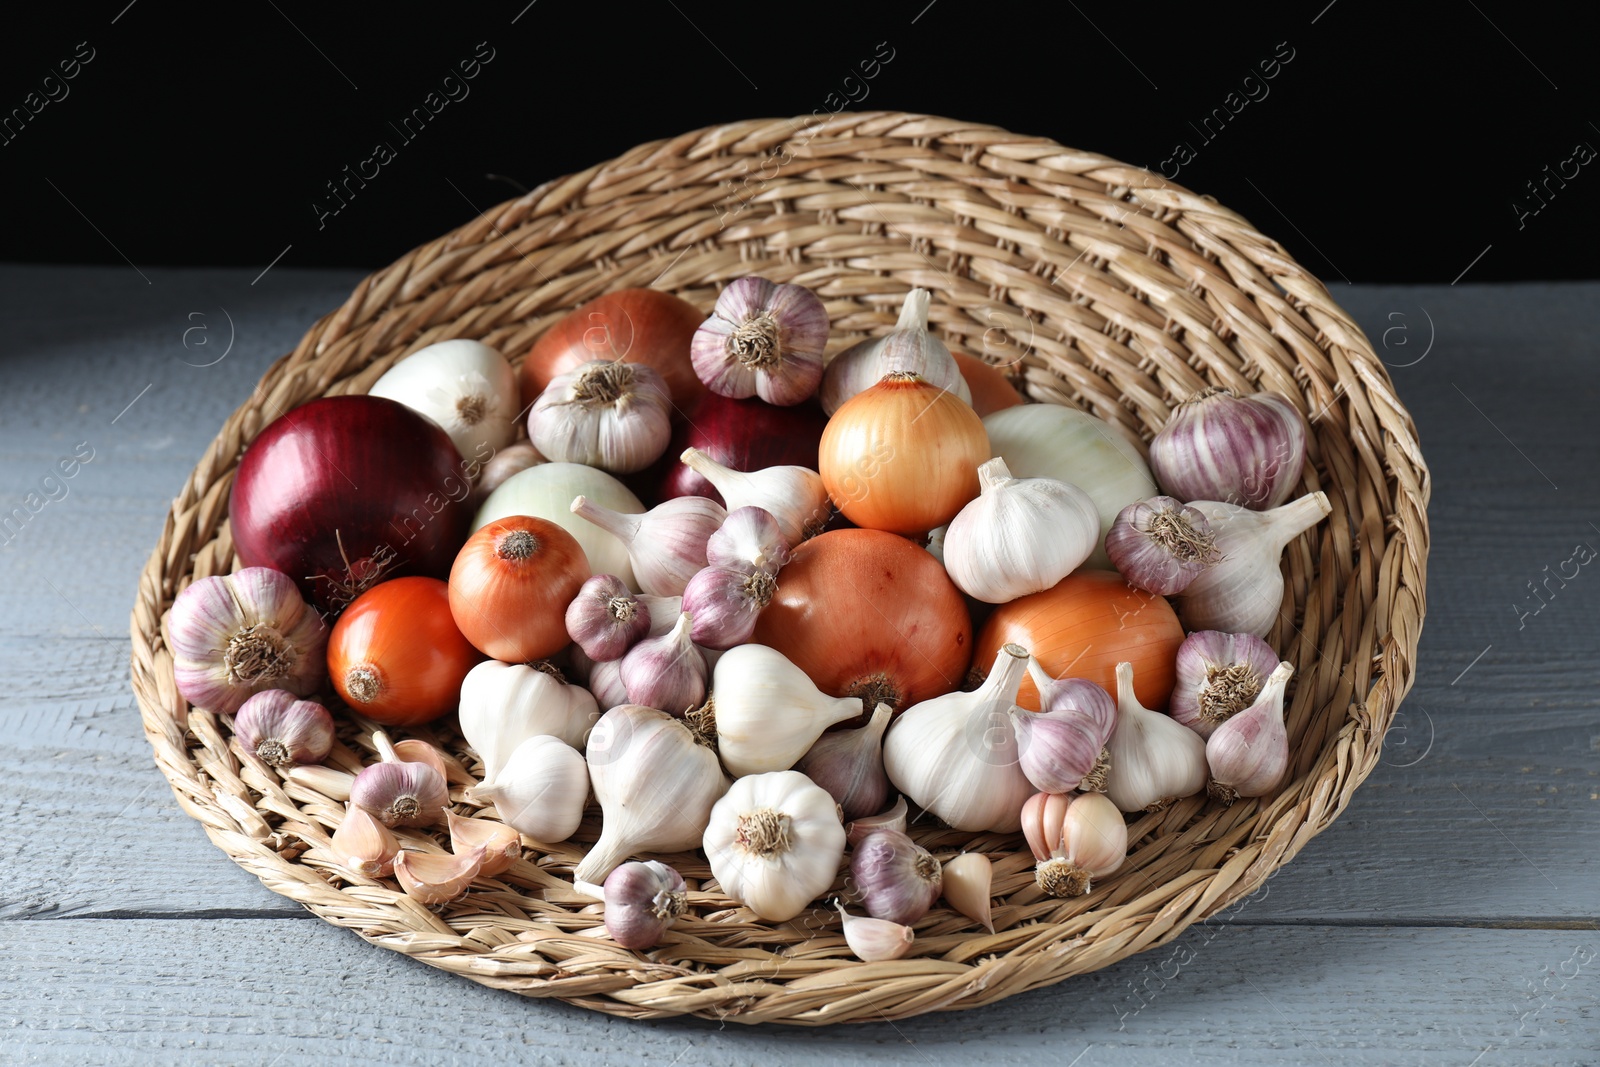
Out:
{"x": 397, "y": 792}
{"x": 1218, "y": 445}
{"x": 605, "y": 619}
{"x": 642, "y": 900}
{"x": 504, "y": 704}
{"x": 895, "y": 878}
{"x": 725, "y": 603}
{"x": 875, "y": 940}
{"x": 967, "y": 884}
{"x": 1018, "y": 536}
{"x": 849, "y": 765}
{"x": 1219, "y": 675}
{"x": 607, "y": 414}
{"x": 283, "y": 731}
{"x": 667, "y": 672}
{"x": 1076, "y": 838}
{"x": 1062, "y": 747}
{"x": 762, "y": 339}
{"x": 655, "y": 784}
{"x": 769, "y": 712}
{"x": 1249, "y": 754}
{"x": 795, "y": 496}
{"x": 1154, "y": 760}
{"x": 909, "y": 347}
{"x": 891, "y": 818}
{"x": 1161, "y": 545}
{"x": 749, "y": 535}
{"x": 775, "y": 842}
{"x": 465, "y": 386}
{"x": 667, "y": 544}
{"x": 501, "y": 844}
{"x": 956, "y": 755}
{"x": 239, "y": 634}
{"x": 1243, "y": 592}
{"x": 541, "y": 791}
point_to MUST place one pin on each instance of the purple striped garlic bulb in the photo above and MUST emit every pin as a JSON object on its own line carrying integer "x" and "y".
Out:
{"x": 1218, "y": 445}
{"x": 236, "y": 635}
{"x": 1219, "y": 675}
{"x": 762, "y": 339}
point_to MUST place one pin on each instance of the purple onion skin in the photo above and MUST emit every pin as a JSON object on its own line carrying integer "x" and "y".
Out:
{"x": 1248, "y": 451}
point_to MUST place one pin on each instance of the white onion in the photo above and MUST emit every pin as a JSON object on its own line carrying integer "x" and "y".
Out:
{"x": 547, "y": 492}
{"x": 465, "y": 386}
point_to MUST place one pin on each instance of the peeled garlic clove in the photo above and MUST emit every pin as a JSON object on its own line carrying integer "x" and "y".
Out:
{"x": 1062, "y": 747}
{"x": 875, "y": 940}
{"x": 667, "y": 672}
{"x": 762, "y": 339}
{"x": 795, "y": 496}
{"x": 726, "y": 601}
{"x": 401, "y": 794}
{"x": 892, "y": 818}
{"x": 504, "y": 704}
{"x": 436, "y": 879}
{"x": 769, "y": 713}
{"x": 1019, "y": 536}
{"x": 1243, "y": 591}
{"x": 1219, "y": 675}
{"x": 774, "y": 842}
{"x": 667, "y": 544}
{"x": 608, "y": 414}
{"x": 541, "y": 791}
{"x": 849, "y": 765}
{"x": 606, "y": 619}
{"x": 1218, "y": 445}
{"x": 642, "y": 900}
{"x": 1249, "y": 753}
{"x": 1076, "y": 838}
{"x": 282, "y": 730}
{"x": 909, "y": 347}
{"x": 1154, "y": 760}
{"x": 896, "y": 878}
{"x": 364, "y": 845}
{"x": 1161, "y": 545}
{"x": 968, "y": 881}
{"x": 748, "y": 535}
{"x": 501, "y": 844}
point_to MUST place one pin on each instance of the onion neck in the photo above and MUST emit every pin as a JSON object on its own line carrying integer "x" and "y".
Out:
{"x": 471, "y": 409}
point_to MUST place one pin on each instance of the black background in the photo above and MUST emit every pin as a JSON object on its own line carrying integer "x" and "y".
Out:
{"x": 1393, "y": 147}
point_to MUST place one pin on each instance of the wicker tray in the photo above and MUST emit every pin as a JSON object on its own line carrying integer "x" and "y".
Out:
{"x": 1115, "y": 290}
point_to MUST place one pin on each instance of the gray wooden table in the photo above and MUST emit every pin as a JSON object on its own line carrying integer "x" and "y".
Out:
{"x": 1449, "y": 917}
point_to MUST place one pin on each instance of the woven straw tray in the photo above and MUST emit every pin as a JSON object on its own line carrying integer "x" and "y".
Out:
{"x": 1107, "y": 286}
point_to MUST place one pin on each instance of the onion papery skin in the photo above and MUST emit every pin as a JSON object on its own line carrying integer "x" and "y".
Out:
{"x": 744, "y": 435}
{"x": 403, "y": 639}
{"x": 1082, "y": 627}
{"x": 510, "y": 607}
{"x": 991, "y": 390}
{"x": 346, "y": 491}
{"x": 644, "y": 326}
{"x": 868, "y": 613}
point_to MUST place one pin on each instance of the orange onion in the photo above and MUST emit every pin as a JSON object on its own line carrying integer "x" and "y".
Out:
{"x": 991, "y": 389}
{"x": 869, "y": 614}
{"x": 634, "y": 325}
{"x": 511, "y": 584}
{"x": 1082, "y": 627}
{"x": 396, "y": 656}
{"x": 902, "y": 456}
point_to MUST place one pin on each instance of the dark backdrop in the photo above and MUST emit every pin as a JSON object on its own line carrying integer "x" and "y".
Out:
{"x": 1391, "y": 141}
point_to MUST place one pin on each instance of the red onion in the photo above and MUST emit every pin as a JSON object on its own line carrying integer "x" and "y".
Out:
{"x": 347, "y": 491}
{"x": 747, "y": 435}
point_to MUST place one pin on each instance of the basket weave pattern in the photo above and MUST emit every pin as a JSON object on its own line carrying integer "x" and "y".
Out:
{"x": 1104, "y": 286}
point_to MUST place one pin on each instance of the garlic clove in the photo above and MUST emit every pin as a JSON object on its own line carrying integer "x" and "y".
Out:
{"x": 1076, "y": 838}
{"x": 282, "y": 730}
{"x": 331, "y": 783}
{"x": 642, "y": 900}
{"x": 726, "y": 601}
{"x": 967, "y": 887}
{"x": 1249, "y": 754}
{"x": 892, "y": 818}
{"x": 1018, "y": 536}
{"x": 1218, "y": 445}
{"x": 1243, "y": 591}
{"x": 795, "y": 496}
{"x": 762, "y": 339}
{"x": 541, "y": 791}
{"x": 667, "y": 672}
{"x": 608, "y": 414}
{"x": 606, "y": 619}
{"x": 400, "y": 793}
{"x": 849, "y": 765}
{"x": 875, "y": 940}
{"x": 909, "y": 347}
{"x": 1161, "y": 545}
{"x": 414, "y": 751}
{"x": 748, "y": 535}
{"x": 364, "y": 845}
{"x": 1218, "y": 675}
{"x": 436, "y": 879}
{"x": 605, "y": 682}
{"x": 667, "y": 544}
{"x": 895, "y": 878}
{"x": 664, "y": 612}
{"x": 501, "y": 844}
{"x": 769, "y": 713}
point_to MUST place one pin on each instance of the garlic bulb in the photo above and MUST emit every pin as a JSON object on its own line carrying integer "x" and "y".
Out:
{"x": 282, "y": 730}
{"x": 608, "y": 414}
{"x": 909, "y": 347}
{"x": 794, "y": 496}
{"x": 749, "y": 535}
{"x": 1154, "y": 760}
{"x": 762, "y": 340}
{"x": 1161, "y": 545}
{"x": 364, "y": 845}
{"x": 501, "y": 844}
{"x": 875, "y": 940}
{"x": 465, "y": 386}
{"x": 1219, "y": 675}
{"x": 849, "y": 765}
{"x": 1076, "y": 838}
{"x": 436, "y": 879}
{"x": 967, "y": 884}
{"x": 504, "y": 704}
{"x": 655, "y": 784}
{"x": 398, "y": 792}
{"x": 895, "y": 878}
{"x": 892, "y": 818}
{"x": 667, "y": 672}
{"x": 1218, "y": 445}
{"x": 541, "y": 790}
{"x": 642, "y": 900}
{"x": 1249, "y": 754}
{"x": 605, "y": 619}
{"x": 956, "y": 755}
{"x": 1019, "y": 536}
{"x": 775, "y": 842}
{"x": 239, "y": 634}
{"x": 1243, "y": 592}
{"x": 1062, "y": 747}
{"x": 667, "y": 544}
{"x": 725, "y": 603}
{"x": 769, "y": 712}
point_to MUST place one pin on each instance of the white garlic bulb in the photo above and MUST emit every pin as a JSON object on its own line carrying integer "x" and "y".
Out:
{"x": 956, "y": 755}
{"x": 1154, "y": 759}
{"x": 541, "y": 790}
{"x": 769, "y": 713}
{"x": 909, "y": 347}
{"x": 1242, "y": 592}
{"x": 1018, "y": 536}
{"x": 607, "y": 413}
{"x": 775, "y": 842}
{"x": 504, "y": 704}
{"x": 465, "y": 386}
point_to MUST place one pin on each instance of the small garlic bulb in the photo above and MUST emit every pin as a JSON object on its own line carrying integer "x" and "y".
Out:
{"x": 605, "y": 619}
{"x": 769, "y": 713}
{"x": 397, "y": 792}
{"x": 667, "y": 672}
{"x": 1019, "y": 536}
{"x": 909, "y": 347}
{"x": 895, "y": 878}
{"x": 1243, "y": 591}
{"x": 541, "y": 791}
{"x": 794, "y": 496}
{"x": 1154, "y": 760}
{"x": 967, "y": 886}
{"x": 749, "y": 535}
{"x": 1161, "y": 545}
{"x": 1219, "y": 675}
{"x": 726, "y": 601}
{"x": 762, "y": 340}
{"x": 775, "y": 842}
{"x": 642, "y": 900}
{"x": 1062, "y": 747}
{"x": 849, "y": 765}
{"x": 667, "y": 544}
{"x": 282, "y": 730}
{"x": 1076, "y": 838}
{"x": 1218, "y": 445}
{"x": 465, "y": 386}
{"x": 1249, "y": 754}
{"x": 608, "y": 414}
{"x": 504, "y": 704}
{"x": 513, "y": 459}
{"x": 875, "y": 940}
